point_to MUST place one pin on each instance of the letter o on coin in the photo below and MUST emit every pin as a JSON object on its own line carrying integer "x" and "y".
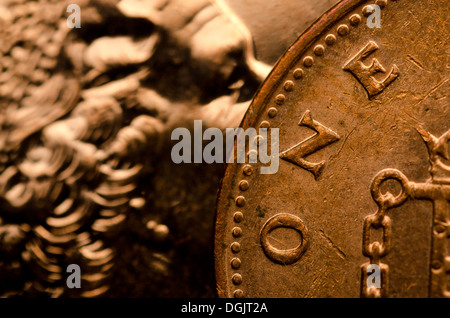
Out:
{"x": 288, "y": 256}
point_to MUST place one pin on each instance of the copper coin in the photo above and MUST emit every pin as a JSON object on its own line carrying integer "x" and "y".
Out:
{"x": 360, "y": 204}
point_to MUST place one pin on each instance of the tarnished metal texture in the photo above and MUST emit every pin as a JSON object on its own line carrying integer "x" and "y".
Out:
{"x": 363, "y": 185}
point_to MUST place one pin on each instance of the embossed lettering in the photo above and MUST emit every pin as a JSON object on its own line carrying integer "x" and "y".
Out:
{"x": 289, "y": 256}
{"x": 365, "y": 74}
{"x": 323, "y": 138}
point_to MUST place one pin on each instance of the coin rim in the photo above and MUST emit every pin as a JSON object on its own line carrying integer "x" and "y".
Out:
{"x": 286, "y": 62}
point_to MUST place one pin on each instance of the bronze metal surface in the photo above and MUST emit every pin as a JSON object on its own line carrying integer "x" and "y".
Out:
{"x": 364, "y": 171}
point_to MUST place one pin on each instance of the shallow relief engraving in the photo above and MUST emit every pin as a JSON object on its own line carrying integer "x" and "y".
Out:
{"x": 436, "y": 189}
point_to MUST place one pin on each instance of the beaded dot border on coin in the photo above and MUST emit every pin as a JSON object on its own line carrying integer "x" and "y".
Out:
{"x": 236, "y": 231}
{"x": 308, "y": 61}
